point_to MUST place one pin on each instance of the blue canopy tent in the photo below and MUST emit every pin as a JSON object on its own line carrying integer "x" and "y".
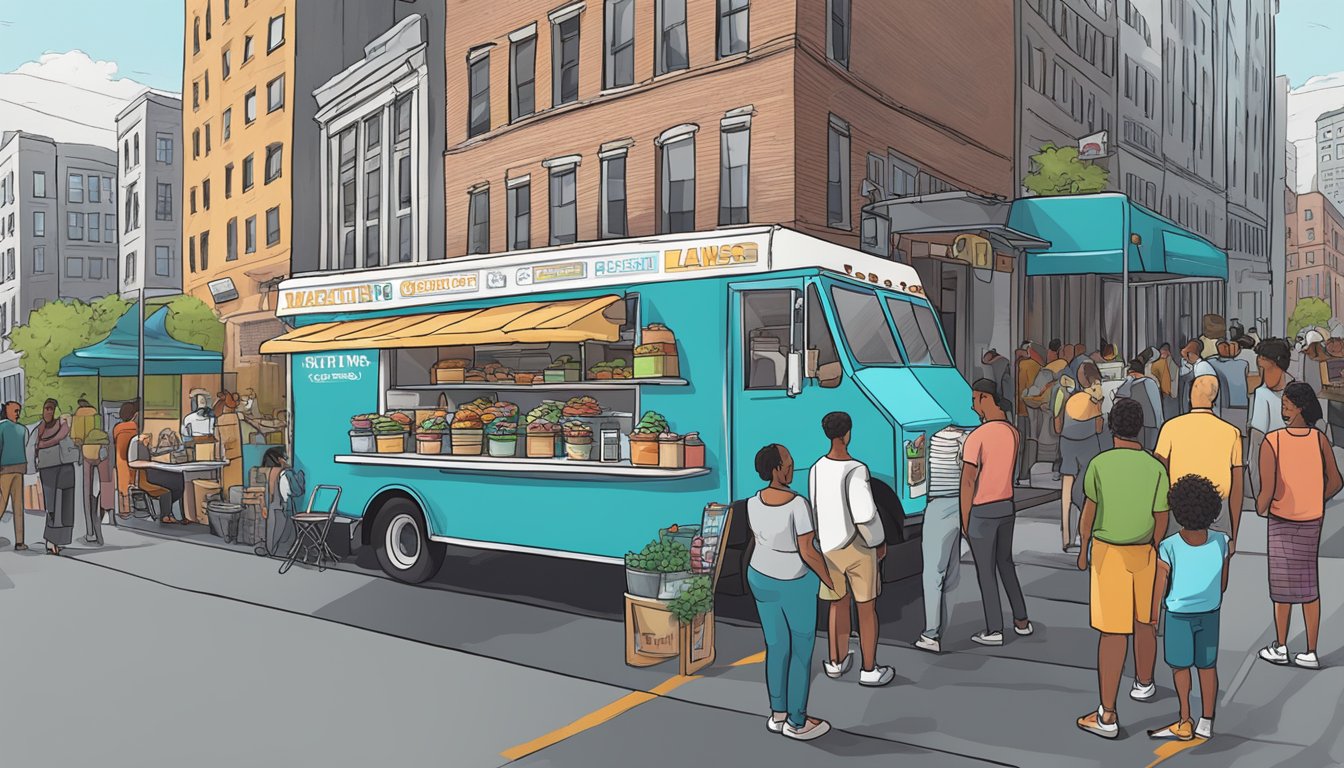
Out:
{"x": 1107, "y": 234}
{"x": 120, "y": 353}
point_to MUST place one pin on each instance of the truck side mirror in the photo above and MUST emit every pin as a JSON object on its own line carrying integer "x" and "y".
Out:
{"x": 795, "y": 374}
{"x": 829, "y": 375}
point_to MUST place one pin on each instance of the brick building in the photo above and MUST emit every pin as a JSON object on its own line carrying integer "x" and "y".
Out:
{"x": 1315, "y": 252}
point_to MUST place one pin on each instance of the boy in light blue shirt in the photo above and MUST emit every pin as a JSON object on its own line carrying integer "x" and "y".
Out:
{"x": 1191, "y": 579}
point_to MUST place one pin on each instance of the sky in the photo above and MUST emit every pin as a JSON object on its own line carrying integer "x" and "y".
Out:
{"x": 142, "y": 37}
{"x": 1310, "y": 39}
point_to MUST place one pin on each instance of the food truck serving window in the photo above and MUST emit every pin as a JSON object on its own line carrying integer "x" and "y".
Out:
{"x": 865, "y": 327}
{"x": 919, "y": 333}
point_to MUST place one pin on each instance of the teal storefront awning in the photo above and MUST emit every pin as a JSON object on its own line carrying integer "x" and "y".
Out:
{"x": 118, "y": 354}
{"x": 1091, "y": 234}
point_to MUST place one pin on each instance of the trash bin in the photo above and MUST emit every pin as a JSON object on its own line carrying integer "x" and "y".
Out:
{"x": 201, "y": 493}
{"x": 224, "y": 520}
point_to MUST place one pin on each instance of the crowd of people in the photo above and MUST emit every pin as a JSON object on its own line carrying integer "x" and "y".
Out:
{"x": 1192, "y": 438}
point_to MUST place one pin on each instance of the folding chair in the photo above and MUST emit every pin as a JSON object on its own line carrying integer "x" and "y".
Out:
{"x": 140, "y": 504}
{"x": 310, "y": 532}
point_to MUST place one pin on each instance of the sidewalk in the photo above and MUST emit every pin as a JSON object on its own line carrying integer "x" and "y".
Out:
{"x": 1014, "y": 704}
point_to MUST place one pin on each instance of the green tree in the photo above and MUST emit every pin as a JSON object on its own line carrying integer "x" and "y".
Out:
{"x": 54, "y": 331}
{"x": 1058, "y": 171}
{"x": 1308, "y": 312}
{"x": 191, "y": 320}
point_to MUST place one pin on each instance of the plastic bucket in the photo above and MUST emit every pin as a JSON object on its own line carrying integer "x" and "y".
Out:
{"x": 224, "y": 519}
{"x": 362, "y": 442}
{"x": 579, "y": 451}
{"x": 643, "y": 583}
{"x": 503, "y": 447}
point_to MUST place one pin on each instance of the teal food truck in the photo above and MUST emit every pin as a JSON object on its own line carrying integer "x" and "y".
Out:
{"x": 570, "y": 401}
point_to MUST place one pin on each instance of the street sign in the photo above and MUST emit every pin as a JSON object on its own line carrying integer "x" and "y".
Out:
{"x": 1092, "y": 147}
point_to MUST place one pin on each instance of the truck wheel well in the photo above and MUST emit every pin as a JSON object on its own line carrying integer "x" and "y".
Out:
{"x": 376, "y": 506}
{"x": 891, "y": 511}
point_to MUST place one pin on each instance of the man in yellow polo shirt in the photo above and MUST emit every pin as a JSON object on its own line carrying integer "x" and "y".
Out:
{"x": 1200, "y": 443}
{"x": 1124, "y": 517}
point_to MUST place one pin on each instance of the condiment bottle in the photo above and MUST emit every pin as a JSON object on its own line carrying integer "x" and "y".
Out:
{"x": 694, "y": 451}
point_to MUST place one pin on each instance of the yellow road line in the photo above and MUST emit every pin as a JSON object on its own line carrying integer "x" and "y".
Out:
{"x": 610, "y": 712}
{"x": 1172, "y": 749}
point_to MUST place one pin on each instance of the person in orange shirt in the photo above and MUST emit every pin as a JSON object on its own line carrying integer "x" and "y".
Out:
{"x": 122, "y": 435}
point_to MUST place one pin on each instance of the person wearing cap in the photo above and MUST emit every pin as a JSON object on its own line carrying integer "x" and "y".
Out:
{"x": 989, "y": 460}
{"x": 99, "y": 488}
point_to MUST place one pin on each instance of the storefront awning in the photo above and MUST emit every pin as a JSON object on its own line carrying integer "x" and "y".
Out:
{"x": 954, "y": 213}
{"x": 1093, "y": 234}
{"x": 119, "y": 353}
{"x": 573, "y": 320}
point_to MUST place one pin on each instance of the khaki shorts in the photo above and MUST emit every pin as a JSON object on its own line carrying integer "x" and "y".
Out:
{"x": 1122, "y": 586}
{"x": 854, "y": 569}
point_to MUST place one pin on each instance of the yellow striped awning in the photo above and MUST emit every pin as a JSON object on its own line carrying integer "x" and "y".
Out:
{"x": 573, "y": 320}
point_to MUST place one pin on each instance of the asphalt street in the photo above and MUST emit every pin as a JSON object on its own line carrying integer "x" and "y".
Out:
{"x": 153, "y": 651}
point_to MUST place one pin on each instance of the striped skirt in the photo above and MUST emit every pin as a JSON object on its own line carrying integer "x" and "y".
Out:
{"x": 1294, "y": 546}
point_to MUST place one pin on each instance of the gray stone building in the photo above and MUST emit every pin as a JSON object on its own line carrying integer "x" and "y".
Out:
{"x": 149, "y": 184}
{"x": 59, "y": 224}
{"x": 1329, "y": 148}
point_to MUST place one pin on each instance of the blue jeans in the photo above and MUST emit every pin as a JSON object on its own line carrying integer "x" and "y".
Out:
{"x": 788, "y": 611}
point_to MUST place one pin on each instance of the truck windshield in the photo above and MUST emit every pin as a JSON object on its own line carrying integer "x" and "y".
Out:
{"x": 919, "y": 333}
{"x": 865, "y": 327}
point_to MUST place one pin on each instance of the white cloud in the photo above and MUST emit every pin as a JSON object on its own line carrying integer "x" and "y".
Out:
{"x": 67, "y": 96}
{"x": 1307, "y": 102}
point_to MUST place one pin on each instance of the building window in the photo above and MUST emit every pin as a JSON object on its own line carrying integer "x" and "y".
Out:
{"x": 228, "y": 181}
{"x": 39, "y": 184}
{"x": 1308, "y": 214}
{"x": 478, "y": 222}
{"x": 191, "y": 207}
{"x": 226, "y": 9}
{"x": 564, "y": 205}
{"x": 274, "y": 161}
{"x": 225, "y": 64}
{"x": 95, "y": 227}
{"x": 109, "y": 229}
{"x": 275, "y": 94}
{"x": 75, "y": 192}
{"x": 95, "y": 193}
{"x": 373, "y": 198}
{"x": 672, "y": 46}
{"x": 205, "y": 194}
{"x": 39, "y": 259}
{"x": 207, "y": 139}
{"x": 733, "y": 18}
{"x": 273, "y": 226}
{"x": 196, "y": 35}
{"x": 677, "y": 185}
{"x": 250, "y": 235}
{"x": 565, "y": 64}
{"x": 837, "y": 174}
{"x": 520, "y": 215}
{"x": 95, "y": 269}
{"x": 207, "y": 20}
{"x": 401, "y": 157}
{"x": 1311, "y": 234}
{"x": 247, "y": 173}
{"x": 231, "y": 240}
{"x": 250, "y": 106}
{"x": 478, "y": 118}
{"x": 275, "y": 36}
{"x": 163, "y": 148}
{"x": 345, "y": 146}
{"x": 74, "y": 226}
{"x": 195, "y": 143}
{"x": 205, "y": 251}
{"x": 195, "y": 101}
{"x": 207, "y": 98}
{"x": 838, "y": 31}
{"x": 249, "y": 50}
{"x": 74, "y": 267}
{"x": 613, "y": 212}
{"x": 226, "y": 125}
{"x": 130, "y": 267}
{"x": 163, "y": 260}
{"x": 523, "y": 77}
{"x": 734, "y": 155}
{"x": 39, "y": 223}
{"x": 620, "y": 48}
{"x": 191, "y": 254}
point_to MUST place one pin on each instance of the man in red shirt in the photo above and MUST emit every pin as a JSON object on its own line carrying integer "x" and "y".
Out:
{"x": 989, "y": 463}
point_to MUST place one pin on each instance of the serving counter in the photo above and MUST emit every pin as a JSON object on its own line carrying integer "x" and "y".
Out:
{"x": 538, "y": 467}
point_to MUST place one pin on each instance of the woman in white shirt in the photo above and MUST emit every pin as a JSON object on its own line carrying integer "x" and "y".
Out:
{"x": 783, "y": 574}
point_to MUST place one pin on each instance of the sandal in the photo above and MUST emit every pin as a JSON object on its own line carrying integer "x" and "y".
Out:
{"x": 52, "y": 549}
{"x": 20, "y": 547}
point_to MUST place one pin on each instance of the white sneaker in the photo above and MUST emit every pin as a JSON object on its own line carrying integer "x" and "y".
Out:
{"x": 836, "y": 671}
{"x": 987, "y": 638}
{"x": 810, "y": 731}
{"x": 1275, "y": 654}
{"x": 1142, "y": 692}
{"x": 1307, "y": 661}
{"x": 930, "y": 644}
{"x": 877, "y": 676}
{"x": 775, "y": 726}
{"x": 1028, "y": 631}
{"x": 1204, "y": 728}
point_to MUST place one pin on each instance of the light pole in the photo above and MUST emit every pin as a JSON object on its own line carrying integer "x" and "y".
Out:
{"x": 1124, "y": 304}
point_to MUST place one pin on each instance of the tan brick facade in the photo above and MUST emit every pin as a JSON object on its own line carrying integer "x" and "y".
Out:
{"x": 919, "y": 85}
{"x": 1315, "y": 259}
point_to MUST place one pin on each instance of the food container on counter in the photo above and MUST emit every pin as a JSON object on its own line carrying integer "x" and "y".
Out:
{"x": 540, "y": 440}
{"x": 656, "y": 360}
{"x": 671, "y": 451}
{"x": 362, "y": 442}
{"x": 391, "y": 442}
{"x": 642, "y": 583}
{"x": 429, "y": 443}
{"x": 450, "y": 371}
{"x": 502, "y": 446}
{"x": 657, "y": 333}
{"x": 695, "y": 451}
{"x": 644, "y": 449}
{"x": 579, "y": 448}
{"x": 525, "y": 379}
{"x": 467, "y": 442}
{"x": 611, "y": 445}
{"x": 362, "y": 423}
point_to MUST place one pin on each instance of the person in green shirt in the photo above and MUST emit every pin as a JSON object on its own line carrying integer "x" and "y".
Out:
{"x": 1123, "y": 518}
{"x": 13, "y": 465}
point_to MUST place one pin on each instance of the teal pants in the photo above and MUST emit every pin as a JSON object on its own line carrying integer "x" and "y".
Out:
{"x": 788, "y": 612}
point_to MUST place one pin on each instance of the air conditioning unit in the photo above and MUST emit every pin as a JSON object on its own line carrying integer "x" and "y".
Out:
{"x": 973, "y": 250}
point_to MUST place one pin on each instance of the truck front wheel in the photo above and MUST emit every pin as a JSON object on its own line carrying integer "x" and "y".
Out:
{"x": 401, "y": 540}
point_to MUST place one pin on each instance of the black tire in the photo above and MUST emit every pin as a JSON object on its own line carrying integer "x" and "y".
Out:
{"x": 401, "y": 540}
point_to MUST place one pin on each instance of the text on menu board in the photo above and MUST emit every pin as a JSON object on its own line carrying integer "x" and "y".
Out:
{"x": 336, "y": 366}
{"x": 368, "y": 293}
{"x": 710, "y": 256}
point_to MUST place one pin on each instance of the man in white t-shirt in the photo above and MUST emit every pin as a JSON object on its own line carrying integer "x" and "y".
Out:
{"x": 853, "y": 543}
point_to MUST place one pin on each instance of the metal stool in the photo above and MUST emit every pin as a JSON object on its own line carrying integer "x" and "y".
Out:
{"x": 310, "y": 533}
